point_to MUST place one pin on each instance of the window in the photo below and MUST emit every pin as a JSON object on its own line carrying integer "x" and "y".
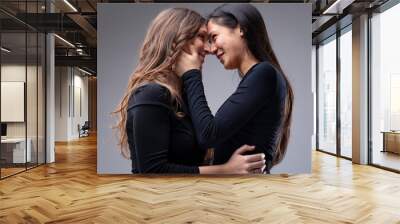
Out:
{"x": 385, "y": 88}
{"x": 327, "y": 95}
{"x": 346, "y": 92}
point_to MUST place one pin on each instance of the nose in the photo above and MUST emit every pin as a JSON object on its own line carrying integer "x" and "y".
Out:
{"x": 207, "y": 48}
{"x": 210, "y": 48}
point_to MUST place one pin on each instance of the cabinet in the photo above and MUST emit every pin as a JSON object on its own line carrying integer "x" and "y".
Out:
{"x": 391, "y": 141}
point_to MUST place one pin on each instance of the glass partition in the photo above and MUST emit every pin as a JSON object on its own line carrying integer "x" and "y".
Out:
{"x": 14, "y": 154}
{"x": 22, "y": 78}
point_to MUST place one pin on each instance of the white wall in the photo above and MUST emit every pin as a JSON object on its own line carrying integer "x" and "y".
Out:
{"x": 80, "y": 88}
{"x": 61, "y": 103}
{"x": 17, "y": 72}
{"x": 70, "y": 83}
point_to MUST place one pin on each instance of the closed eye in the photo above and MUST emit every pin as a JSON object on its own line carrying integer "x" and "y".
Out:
{"x": 202, "y": 37}
{"x": 211, "y": 38}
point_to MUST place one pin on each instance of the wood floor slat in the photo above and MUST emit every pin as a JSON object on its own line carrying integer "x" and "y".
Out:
{"x": 70, "y": 191}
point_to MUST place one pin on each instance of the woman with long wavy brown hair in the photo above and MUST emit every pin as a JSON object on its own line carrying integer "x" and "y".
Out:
{"x": 155, "y": 129}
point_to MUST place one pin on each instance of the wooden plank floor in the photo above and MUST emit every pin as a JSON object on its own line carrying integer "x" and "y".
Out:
{"x": 70, "y": 191}
{"x": 10, "y": 171}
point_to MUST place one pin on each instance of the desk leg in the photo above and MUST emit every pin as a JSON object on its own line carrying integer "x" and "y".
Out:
{"x": 384, "y": 142}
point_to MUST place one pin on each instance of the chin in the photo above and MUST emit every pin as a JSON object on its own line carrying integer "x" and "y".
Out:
{"x": 228, "y": 66}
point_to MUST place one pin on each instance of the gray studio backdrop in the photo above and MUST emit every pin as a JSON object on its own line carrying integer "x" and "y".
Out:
{"x": 121, "y": 29}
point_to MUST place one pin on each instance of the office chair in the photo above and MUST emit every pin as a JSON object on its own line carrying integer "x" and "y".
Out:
{"x": 84, "y": 130}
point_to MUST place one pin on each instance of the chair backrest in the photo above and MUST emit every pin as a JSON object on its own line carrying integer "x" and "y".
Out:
{"x": 86, "y": 125}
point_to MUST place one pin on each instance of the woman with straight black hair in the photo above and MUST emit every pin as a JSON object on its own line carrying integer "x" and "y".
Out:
{"x": 259, "y": 111}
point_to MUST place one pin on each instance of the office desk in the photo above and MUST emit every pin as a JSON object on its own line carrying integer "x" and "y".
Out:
{"x": 391, "y": 141}
{"x": 13, "y": 150}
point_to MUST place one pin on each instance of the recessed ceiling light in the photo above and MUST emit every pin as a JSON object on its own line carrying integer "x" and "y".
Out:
{"x": 65, "y": 41}
{"x": 71, "y": 6}
{"x": 335, "y": 7}
{"x": 5, "y": 50}
{"x": 84, "y": 71}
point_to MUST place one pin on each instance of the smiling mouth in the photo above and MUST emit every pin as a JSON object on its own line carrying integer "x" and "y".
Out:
{"x": 220, "y": 55}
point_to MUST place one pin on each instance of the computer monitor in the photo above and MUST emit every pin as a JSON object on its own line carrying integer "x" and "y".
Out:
{"x": 3, "y": 129}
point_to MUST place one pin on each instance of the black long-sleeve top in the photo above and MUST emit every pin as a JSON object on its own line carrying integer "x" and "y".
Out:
{"x": 251, "y": 115}
{"x": 159, "y": 141}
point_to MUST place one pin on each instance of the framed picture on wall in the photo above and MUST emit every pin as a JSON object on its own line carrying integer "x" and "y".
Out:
{"x": 12, "y": 101}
